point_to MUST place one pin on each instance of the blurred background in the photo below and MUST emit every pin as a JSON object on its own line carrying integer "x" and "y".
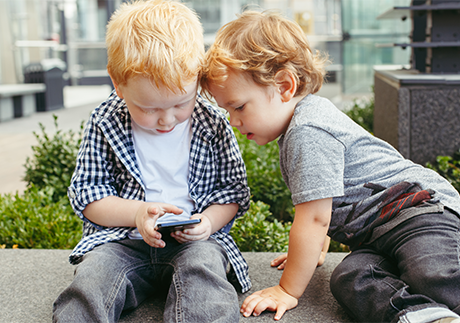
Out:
{"x": 68, "y": 35}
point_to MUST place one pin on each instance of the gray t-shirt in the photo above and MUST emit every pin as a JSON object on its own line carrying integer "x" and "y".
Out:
{"x": 326, "y": 154}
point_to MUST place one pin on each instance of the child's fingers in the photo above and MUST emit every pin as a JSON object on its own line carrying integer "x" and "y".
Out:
{"x": 264, "y": 304}
{"x": 279, "y": 260}
{"x": 282, "y": 308}
{"x": 249, "y": 303}
{"x": 185, "y": 236}
{"x": 179, "y": 238}
{"x": 169, "y": 208}
{"x": 248, "y": 308}
{"x": 149, "y": 225}
{"x": 162, "y": 208}
{"x": 248, "y": 300}
{"x": 321, "y": 259}
{"x": 174, "y": 209}
{"x": 196, "y": 230}
{"x": 154, "y": 240}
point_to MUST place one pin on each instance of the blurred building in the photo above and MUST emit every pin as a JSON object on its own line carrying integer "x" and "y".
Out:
{"x": 368, "y": 41}
{"x": 73, "y": 31}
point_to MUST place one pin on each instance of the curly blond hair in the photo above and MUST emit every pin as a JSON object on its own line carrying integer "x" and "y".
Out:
{"x": 261, "y": 44}
{"x": 158, "y": 39}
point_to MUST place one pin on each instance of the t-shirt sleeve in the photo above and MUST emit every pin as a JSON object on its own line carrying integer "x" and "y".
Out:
{"x": 312, "y": 164}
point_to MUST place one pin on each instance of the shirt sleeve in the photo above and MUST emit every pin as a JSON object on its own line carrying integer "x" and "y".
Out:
{"x": 312, "y": 164}
{"x": 91, "y": 180}
{"x": 230, "y": 179}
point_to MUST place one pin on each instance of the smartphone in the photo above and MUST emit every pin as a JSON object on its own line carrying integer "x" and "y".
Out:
{"x": 178, "y": 225}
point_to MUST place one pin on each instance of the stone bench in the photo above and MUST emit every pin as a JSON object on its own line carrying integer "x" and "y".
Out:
{"x": 30, "y": 281}
{"x": 18, "y": 100}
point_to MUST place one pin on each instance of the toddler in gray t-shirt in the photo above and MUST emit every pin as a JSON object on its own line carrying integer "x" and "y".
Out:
{"x": 400, "y": 219}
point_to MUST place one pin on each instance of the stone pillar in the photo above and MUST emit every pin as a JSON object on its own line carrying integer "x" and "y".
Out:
{"x": 419, "y": 114}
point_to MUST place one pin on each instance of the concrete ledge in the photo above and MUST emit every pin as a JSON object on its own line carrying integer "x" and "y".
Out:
{"x": 30, "y": 281}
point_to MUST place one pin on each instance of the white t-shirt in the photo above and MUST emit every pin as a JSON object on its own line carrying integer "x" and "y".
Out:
{"x": 163, "y": 161}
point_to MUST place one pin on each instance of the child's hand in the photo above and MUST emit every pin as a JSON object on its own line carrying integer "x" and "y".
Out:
{"x": 146, "y": 219}
{"x": 201, "y": 231}
{"x": 272, "y": 299}
{"x": 322, "y": 258}
{"x": 280, "y": 261}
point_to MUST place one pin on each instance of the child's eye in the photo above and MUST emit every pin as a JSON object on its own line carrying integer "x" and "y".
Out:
{"x": 241, "y": 107}
{"x": 149, "y": 111}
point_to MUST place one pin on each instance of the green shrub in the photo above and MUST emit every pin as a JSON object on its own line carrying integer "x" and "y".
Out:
{"x": 449, "y": 168}
{"x": 53, "y": 161}
{"x": 264, "y": 177}
{"x": 36, "y": 220}
{"x": 253, "y": 232}
{"x": 338, "y": 247}
{"x": 362, "y": 112}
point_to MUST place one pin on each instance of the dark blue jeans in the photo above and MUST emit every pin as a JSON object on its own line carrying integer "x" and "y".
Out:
{"x": 118, "y": 276}
{"x": 410, "y": 274}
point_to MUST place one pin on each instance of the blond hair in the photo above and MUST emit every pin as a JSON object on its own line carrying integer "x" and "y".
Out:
{"x": 161, "y": 40}
{"x": 261, "y": 44}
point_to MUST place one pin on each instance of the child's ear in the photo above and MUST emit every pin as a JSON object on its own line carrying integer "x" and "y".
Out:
{"x": 117, "y": 88}
{"x": 286, "y": 84}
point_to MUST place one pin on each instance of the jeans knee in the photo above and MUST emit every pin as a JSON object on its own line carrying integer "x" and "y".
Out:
{"x": 339, "y": 278}
{"x": 204, "y": 253}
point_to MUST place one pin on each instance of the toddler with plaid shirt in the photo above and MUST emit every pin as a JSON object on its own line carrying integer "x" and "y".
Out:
{"x": 155, "y": 147}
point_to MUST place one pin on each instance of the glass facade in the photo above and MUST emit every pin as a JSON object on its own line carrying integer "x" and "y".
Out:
{"x": 366, "y": 39}
{"x": 74, "y": 31}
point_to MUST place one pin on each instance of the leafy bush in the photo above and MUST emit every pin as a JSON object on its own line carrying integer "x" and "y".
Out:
{"x": 36, "y": 220}
{"x": 253, "y": 232}
{"x": 264, "y": 177}
{"x": 53, "y": 161}
{"x": 42, "y": 217}
{"x": 362, "y": 112}
{"x": 449, "y": 168}
{"x": 338, "y": 247}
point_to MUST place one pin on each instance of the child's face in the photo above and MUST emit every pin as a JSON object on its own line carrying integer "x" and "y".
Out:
{"x": 256, "y": 111}
{"x": 157, "y": 108}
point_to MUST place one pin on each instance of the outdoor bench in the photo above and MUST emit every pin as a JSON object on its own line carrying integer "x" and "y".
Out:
{"x": 18, "y": 100}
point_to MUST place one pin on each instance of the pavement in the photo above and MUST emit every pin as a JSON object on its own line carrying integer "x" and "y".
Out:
{"x": 31, "y": 280}
{"x": 17, "y": 138}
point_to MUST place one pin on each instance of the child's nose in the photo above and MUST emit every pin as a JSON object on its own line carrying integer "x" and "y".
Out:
{"x": 166, "y": 119}
{"x": 235, "y": 122}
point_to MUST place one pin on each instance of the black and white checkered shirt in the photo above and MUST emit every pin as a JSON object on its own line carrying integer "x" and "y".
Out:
{"x": 106, "y": 165}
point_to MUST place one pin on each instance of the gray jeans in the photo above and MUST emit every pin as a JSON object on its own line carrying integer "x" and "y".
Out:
{"x": 414, "y": 266}
{"x": 118, "y": 276}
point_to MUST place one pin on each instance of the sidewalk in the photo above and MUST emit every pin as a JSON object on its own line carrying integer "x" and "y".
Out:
{"x": 16, "y": 137}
